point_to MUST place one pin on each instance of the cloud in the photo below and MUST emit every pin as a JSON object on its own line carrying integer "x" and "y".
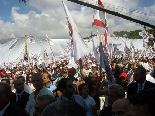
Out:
{"x": 51, "y": 19}
{"x": 16, "y": 16}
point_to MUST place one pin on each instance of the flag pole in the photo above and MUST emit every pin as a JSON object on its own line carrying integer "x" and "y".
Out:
{"x": 100, "y": 55}
{"x": 25, "y": 44}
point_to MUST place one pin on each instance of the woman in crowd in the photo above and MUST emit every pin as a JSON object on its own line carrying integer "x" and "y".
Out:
{"x": 92, "y": 108}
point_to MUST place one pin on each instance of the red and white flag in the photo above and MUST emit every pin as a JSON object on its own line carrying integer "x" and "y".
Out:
{"x": 79, "y": 47}
{"x": 31, "y": 39}
{"x": 100, "y": 19}
{"x": 31, "y": 36}
{"x": 99, "y": 16}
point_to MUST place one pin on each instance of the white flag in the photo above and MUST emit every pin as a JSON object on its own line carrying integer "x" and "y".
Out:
{"x": 96, "y": 53}
{"x": 79, "y": 47}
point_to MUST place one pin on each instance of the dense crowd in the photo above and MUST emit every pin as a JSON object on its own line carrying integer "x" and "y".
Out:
{"x": 59, "y": 89}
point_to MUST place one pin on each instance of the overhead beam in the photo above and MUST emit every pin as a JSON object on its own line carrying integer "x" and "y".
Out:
{"x": 113, "y": 13}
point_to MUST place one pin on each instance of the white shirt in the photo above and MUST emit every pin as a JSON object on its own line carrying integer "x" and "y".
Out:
{"x": 150, "y": 78}
{"x": 30, "y": 104}
{"x": 130, "y": 76}
{"x": 27, "y": 88}
{"x": 3, "y": 110}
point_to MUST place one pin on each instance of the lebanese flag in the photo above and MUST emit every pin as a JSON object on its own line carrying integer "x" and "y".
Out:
{"x": 31, "y": 36}
{"x": 145, "y": 36}
{"x": 79, "y": 47}
{"x": 99, "y": 16}
{"x": 100, "y": 19}
{"x": 106, "y": 30}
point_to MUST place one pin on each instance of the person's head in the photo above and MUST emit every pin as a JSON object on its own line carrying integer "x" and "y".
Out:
{"x": 71, "y": 72}
{"x": 120, "y": 107}
{"x": 116, "y": 60}
{"x": 122, "y": 78}
{"x": 130, "y": 66}
{"x": 66, "y": 87}
{"x": 64, "y": 108}
{"x": 57, "y": 70}
{"x": 77, "y": 85}
{"x": 19, "y": 86}
{"x": 126, "y": 61}
{"x": 115, "y": 91}
{"x": 83, "y": 89}
{"x": 46, "y": 78}
{"x": 93, "y": 75}
{"x": 17, "y": 74}
{"x": 144, "y": 60}
{"x": 143, "y": 103}
{"x": 5, "y": 94}
{"x": 41, "y": 103}
{"x": 94, "y": 67}
{"x": 65, "y": 69}
{"x": 22, "y": 78}
{"x": 5, "y": 80}
{"x": 64, "y": 74}
{"x": 88, "y": 66}
{"x": 37, "y": 81}
{"x": 103, "y": 72}
{"x": 140, "y": 74}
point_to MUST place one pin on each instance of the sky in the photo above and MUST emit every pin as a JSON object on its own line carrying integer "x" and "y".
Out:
{"x": 47, "y": 17}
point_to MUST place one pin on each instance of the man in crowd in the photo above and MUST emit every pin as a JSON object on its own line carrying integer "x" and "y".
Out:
{"x": 88, "y": 69}
{"x": 26, "y": 87}
{"x": 64, "y": 72}
{"x": 47, "y": 82}
{"x": 40, "y": 90}
{"x": 56, "y": 74}
{"x": 115, "y": 92}
{"x": 143, "y": 103}
{"x": 41, "y": 103}
{"x": 20, "y": 98}
{"x": 67, "y": 89}
{"x": 141, "y": 82}
{"x": 71, "y": 73}
{"x": 8, "y": 108}
{"x": 64, "y": 108}
{"x": 120, "y": 107}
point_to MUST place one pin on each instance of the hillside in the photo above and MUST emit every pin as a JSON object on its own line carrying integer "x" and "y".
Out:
{"x": 132, "y": 34}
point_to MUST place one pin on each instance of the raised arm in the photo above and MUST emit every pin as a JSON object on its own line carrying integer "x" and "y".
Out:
{"x": 81, "y": 69}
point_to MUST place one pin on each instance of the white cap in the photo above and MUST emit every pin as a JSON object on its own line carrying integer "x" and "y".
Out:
{"x": 93, "y": 65}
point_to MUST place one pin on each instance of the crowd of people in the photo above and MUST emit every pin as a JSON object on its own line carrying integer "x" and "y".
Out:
{"x": 57, "y": 89}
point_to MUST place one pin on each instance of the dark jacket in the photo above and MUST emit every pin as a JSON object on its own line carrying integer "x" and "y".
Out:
{"x": 23, "y": 100}
{"x": 106, "y": 111}
{"x": 14, "y": 110}
{"x": 133, "y": 87}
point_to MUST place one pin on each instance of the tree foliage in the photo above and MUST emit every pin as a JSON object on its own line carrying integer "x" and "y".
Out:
{"x": 132, "y": 34}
